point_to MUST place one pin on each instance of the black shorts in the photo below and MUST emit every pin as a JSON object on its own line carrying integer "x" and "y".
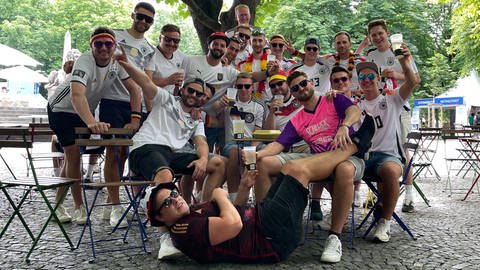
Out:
{"x": 116, "y": 113}
{"x": 281, "y": 214}
{"x": 147, "y": 159}
{"x": 63, "y": 124}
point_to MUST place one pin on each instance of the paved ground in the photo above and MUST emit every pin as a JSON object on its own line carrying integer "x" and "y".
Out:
{"x": 447, "y": 235}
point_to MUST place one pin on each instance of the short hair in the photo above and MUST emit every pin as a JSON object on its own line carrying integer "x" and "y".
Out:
{"x": 101, "y": 30}
{"x": 234, "y": 39}
{"x": 170, "y": 28}
{"x": 146, "y": 6}
{"x": 342, "y": 33}
{"x": 244, "y": 75}
{"x": 295, "y": 75}
{"x": 244, "y": 26}
{"x": 211, "y": 87}
{"x": 337, "y": 69}
{"x": 380, "y": 22}
{"x": 237, "y": 7}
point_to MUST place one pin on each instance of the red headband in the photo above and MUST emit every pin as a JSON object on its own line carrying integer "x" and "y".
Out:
{"x": 101, "y": 35}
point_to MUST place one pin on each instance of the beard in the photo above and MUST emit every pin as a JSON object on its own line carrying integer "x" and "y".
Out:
{"x": 215, "y": 54}
{"x": 306, "y": 96}
{"x": 139, "y": 28}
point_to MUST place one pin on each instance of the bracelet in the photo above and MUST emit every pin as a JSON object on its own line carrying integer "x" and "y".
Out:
{"x": 135, "y": 112}
{"x": 136, "y": 115}
{"x": 344, "y": 125}
{"x": 267, "y": 74}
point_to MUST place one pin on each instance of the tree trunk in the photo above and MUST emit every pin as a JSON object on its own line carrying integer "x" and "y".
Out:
{"x": 206, "y": 14}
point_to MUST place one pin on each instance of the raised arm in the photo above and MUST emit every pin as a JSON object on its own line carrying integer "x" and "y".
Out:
{"x": 228, "y": 224}
{"x": 410, "y": 79}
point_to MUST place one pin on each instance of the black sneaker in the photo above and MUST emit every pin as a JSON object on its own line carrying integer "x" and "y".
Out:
{"x": 363, "y": 137}
{"x": 408, "y": 208}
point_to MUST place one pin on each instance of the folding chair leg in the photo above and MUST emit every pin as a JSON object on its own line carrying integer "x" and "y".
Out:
{"x": 470, "y": 190}
{"x": 52, "y": 213}
{"x": 16, "y": 211}
{"x": 403, "y": 226}
{"x": 420, "y": 192}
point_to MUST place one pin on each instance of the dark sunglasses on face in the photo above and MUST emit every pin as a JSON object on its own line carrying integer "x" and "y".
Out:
{"x": 140, "y": 16}
{"x": 296, "y": 87}
{"x": 311, "y": 49}
{"x": 275, "y": 45}
{"x": 169, "y": 39}
{"x": 192, "y": 91}
{"x": 363, "y": 77}
{"x": 241, "y": 86}
{"x": 277, "y": 84}
{"x": 99, "y": 44}
{"x": 168, "y": 201}
{"x": 337, "y": 80}
{"x": 242, "y": 35}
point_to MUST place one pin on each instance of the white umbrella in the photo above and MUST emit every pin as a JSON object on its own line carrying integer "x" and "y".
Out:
{"x": 12, "y": 57}
{"x": 22, "y": 74}
{"x": 67, "y": 45}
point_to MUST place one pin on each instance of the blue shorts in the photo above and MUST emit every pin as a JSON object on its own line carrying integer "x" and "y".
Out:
{"x": 63, "y": 124}
{"x": 376, "y": 160}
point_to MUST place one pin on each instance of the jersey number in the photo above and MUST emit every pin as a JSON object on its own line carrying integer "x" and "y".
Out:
{"x": 378, "y": 121}
{"x": 316, "y": 82}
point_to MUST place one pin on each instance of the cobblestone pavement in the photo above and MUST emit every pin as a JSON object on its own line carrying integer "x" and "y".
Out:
{"x": 447, "y": 238}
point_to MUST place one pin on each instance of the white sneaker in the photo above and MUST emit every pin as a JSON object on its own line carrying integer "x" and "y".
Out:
{"x": 332, "y": 252}
{"x": 80, "y": 215}
{"x": 63, "y": 215}
{"x": 107, "y": 210}
{"x": 382, "y": 231}
{"x": 167, "y": 250}
{"x": 115, "y": 215}
{"x": 326, "y": 223}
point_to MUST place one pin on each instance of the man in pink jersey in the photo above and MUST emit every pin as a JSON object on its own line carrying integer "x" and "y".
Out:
{"x": 219, "y": 231}
{"x": 324, "y": 125}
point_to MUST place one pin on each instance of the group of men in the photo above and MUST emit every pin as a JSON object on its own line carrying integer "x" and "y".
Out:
{"x": 178, "y": 107}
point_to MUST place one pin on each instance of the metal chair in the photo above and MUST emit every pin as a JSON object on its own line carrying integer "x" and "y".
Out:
{"x": 21, "y": 137}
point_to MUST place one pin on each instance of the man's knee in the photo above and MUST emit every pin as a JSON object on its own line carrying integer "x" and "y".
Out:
{"x": 163, "y": 174}
{"x": 345, "y": 172}
{"x": 390, "y": 172}
{"x": 296, "y": 168}
{"x": 216, "y": 163}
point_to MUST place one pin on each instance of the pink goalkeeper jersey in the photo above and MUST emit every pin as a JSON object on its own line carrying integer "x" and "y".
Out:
{"x": 317, "y": 128}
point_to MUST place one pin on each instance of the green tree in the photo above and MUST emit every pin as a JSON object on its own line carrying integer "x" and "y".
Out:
{"x": 466, "y": 34}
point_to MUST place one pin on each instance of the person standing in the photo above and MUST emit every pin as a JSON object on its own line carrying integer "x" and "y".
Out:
{"x": 75, "y": 100}
{"x": 115, "y": 108}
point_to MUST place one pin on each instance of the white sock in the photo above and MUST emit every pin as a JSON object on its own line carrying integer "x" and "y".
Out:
{"x": 408, "y": 190}
{"x": 357, "y": 195}
{"x": 90, "y": 170}
{"x": 56, "y": 172}
{"x": 232, "y": 196}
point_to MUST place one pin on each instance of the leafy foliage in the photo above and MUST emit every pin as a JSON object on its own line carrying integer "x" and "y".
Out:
{"x": 466, "y": 34}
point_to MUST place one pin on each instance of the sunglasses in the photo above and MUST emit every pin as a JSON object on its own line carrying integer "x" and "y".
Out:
{"x": 168, "y": 201}
{"x": 279, "y": 45}
{"x": 140, "y": 16}
{"x": 192, "y": 91}
{"x": 258, "y": 31}
{"x": 296, "y": 88}
{"x": 99, "y": 44}
{"x": 311, "y": 49}
{"x": 169, "y": 39}
{"x": 277, "y": 84}
{"x": 363, "y": 77}
{"x": 241, "y": 86}
{"x": 242, "y": 35}
{"x": 337, "y": 80}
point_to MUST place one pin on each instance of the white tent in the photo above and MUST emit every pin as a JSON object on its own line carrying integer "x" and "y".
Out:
{"x": 22, "y": 74}
{"x": 12, "y": 57}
